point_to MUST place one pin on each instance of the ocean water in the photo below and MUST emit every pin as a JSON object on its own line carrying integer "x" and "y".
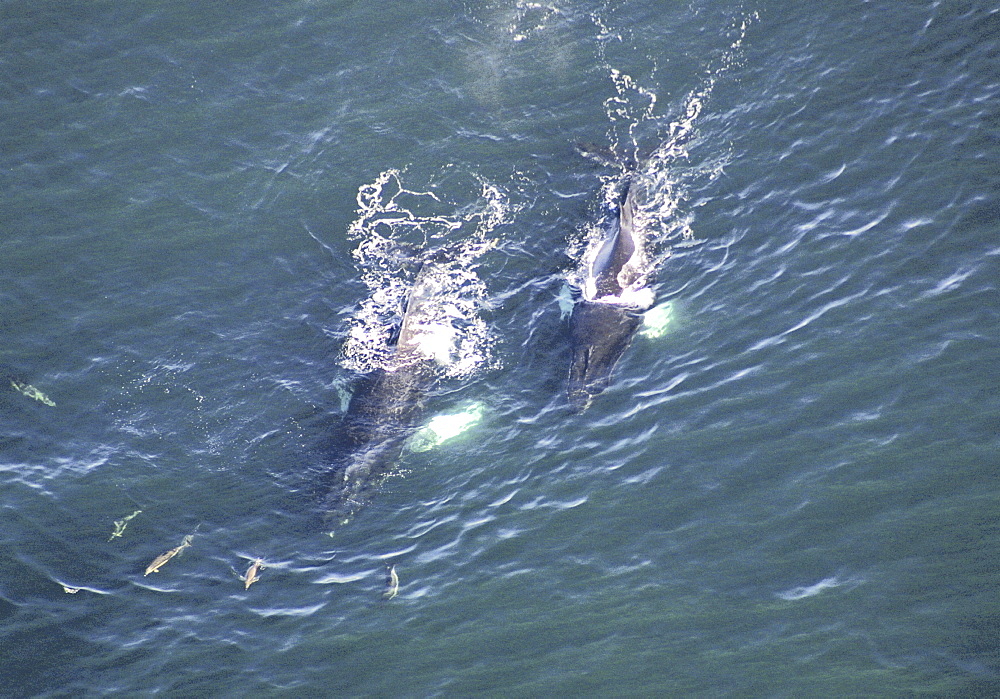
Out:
{"x": 792, "y": 491}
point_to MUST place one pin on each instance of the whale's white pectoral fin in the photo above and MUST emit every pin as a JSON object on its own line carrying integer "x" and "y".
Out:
{"x": 565, "y": 301}
{"x": 656, "y": 320}
{"x": 444, "y": 427}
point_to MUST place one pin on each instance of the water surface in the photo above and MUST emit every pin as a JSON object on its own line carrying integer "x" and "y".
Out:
{"x": 791, "y": 492}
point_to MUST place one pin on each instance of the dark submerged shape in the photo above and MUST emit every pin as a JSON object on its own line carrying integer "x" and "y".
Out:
{"x": 385, "y": 409}
{"x": 600, "y": 333}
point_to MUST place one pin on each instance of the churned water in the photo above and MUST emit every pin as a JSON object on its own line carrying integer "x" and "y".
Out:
{"x": 789, "y": 489}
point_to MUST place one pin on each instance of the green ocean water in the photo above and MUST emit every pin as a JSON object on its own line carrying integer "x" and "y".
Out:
{"x": 791, "y": 492}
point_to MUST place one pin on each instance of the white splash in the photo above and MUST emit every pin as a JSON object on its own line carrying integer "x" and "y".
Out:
{"x": 531, "y": 17}
{"x": 396, "y": 228}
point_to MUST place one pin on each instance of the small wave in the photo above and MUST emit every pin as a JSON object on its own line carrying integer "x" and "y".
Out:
{"x": 293, "y": 612}
{"x": 797, "y": 593}
{"x": 341, "y": 578}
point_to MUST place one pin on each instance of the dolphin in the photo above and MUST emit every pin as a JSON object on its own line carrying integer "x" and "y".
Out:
{"x": 613, "y": 297}
{"x": 388, "y": 403}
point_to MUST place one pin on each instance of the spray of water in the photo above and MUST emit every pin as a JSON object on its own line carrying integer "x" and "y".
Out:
{"x": 397, "y": 229}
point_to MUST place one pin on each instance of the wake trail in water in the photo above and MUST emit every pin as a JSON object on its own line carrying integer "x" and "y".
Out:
{"x": 663, "y": 175}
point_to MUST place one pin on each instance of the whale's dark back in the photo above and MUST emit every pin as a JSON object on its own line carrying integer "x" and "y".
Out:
{"x": 604, "y": 321}
{"x": 385, "y": 408}
{"x": 599, "y": 333}
{"x": 386, "y": 404}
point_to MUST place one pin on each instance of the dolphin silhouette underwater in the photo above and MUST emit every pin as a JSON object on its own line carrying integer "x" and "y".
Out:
{"x": 613, "y": 297}
{"x": 388, "y": 403}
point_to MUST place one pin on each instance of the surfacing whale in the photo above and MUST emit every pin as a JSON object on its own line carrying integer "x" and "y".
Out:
{"x": 388, "y": 403}
{"x": 613, "y": 297}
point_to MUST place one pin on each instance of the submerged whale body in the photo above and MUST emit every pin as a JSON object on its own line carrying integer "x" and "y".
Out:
{"x": 386, "y": 407}
{"x": 599, "y": 333}
{"x": 613, "y": 297}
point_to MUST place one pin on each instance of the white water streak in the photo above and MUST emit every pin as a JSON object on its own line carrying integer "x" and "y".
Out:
{"x": 661, "y": 180}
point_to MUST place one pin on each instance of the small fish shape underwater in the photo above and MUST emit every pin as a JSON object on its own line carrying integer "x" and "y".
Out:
{"x": 392, "y": 581}
{"x": 164, "y": 557}
{"x": 31, "y": 392}
{"x": 252, "y": 573}
{"x": 120, "y": 524}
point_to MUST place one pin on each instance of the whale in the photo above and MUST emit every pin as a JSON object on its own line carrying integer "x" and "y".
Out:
{"x": 612, "y": 299}
{"x": 388, "y": 403}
